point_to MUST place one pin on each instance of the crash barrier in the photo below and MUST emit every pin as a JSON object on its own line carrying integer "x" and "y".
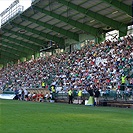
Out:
{"x": 104, "y": 95}
{"x": 108, "y": 94}
{"x": 113, "y": 98}
{"x": 37, "y": 91}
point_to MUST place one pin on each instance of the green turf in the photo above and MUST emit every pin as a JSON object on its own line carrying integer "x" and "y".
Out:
{"x": 33, "y": 117}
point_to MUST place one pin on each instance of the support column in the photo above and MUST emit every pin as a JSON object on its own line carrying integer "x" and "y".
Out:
{"x": 100, "y": 39}
{"x": 28, "y": 57}
{"x": 78, "y": 46}
{"x": 1, "y": 65}
{"x": 22, "y": 59}
{"x": 123, "y": 31}
{"x": 37, "y": 55}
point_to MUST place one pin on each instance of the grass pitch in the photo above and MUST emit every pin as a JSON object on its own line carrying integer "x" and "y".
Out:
{"x": 34, "y": 117}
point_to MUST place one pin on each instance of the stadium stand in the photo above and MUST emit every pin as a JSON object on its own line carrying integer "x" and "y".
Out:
{"x": 93, "y": 66}
{"x": 106, "y": 65}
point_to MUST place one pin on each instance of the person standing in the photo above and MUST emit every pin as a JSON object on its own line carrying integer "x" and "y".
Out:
{"x": 80, "y": 96}
{"x": 123, "y": 81}
{"x": 91, "y": 98}
{"x": 16, "y": 94}
{"x": 43, "y": 84}
{"x": 20, "y": 94}
{"x": 53, "y": 91}
{"x": 26, "y": 94}
{"x": 70, "y": 96}
{"x": 96, "y": 97}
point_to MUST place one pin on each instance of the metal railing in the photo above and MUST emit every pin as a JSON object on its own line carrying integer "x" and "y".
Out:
{"x": 104, "y": 95}
{"x": 35, "y": 1}
{"x": 11, "y": 14}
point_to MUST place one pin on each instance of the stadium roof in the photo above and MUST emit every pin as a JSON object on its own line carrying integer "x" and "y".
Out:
{"x": 58, "y": 21}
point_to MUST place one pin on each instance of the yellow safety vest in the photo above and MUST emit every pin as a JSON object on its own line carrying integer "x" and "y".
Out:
{"x": 80, "y": 93}
{"x": 43, "y": 84}
{"x": 70, "y": 92}
{"x": 123, "y": 79}
{"x": 53, "y": 89}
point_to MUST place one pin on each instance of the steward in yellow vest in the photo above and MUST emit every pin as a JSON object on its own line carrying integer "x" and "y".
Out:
{"x": 80, "y": 96}
{"x": 70, "y": 92}
{"x": 123, "y": 81}
{"x": 43, "y": 84}
{"x": 80, "y": 93}
{"x": 53, "y": 91}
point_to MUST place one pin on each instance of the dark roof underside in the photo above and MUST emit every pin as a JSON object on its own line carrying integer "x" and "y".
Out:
{"x": 58, "y": 20}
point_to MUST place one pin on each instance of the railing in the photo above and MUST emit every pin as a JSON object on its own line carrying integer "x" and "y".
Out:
{"x": 8, "y": 92}
{"x": 104, "y": 95}
{"x": 116, "y": 95}
{"x": 11, "y": 14}
{"x": 35, "y": 1}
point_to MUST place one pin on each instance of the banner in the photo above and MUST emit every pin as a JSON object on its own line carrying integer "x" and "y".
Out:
{"x": 7, "y": 96}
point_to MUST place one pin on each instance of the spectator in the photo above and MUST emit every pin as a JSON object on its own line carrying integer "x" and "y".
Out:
{"x": 91, "y": 98}
{"x": 47, "y": 96}
{"x": 41, "y": 97}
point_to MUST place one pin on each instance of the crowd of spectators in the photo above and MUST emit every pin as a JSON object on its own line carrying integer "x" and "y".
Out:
{"x": 108, "y": 65}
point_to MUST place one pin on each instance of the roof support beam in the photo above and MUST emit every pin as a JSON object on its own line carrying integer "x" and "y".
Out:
{"x": 32, "y": 39}
{"x": 122, "y": 31}
{"x": 67, "y": 33}
{"x": 84, "y": 27}
{"x": 5, "y": 61}
{"x": 45, "y": 35}
{"x": 18, "y": 47}
{"x": 13, "y": 51}
{"x": 22, "y": 43}
{"x": 48, "y": 36}
{"x": 103, "y": 19}
{"x": 120, "y": 5}
{"x": 6, "y": 57}
{"x": 9, "y": 54}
